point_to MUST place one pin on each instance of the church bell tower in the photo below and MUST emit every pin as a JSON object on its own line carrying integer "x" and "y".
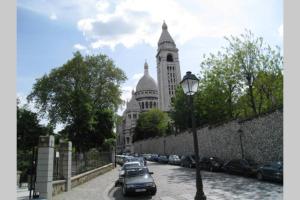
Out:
{"x": 168, "y": 69}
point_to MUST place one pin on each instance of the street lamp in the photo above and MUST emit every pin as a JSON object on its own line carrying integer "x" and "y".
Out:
{"x": 189, "y": 85}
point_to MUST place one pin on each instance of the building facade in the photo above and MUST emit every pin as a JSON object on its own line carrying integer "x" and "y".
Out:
{"x": 148, "y": 94}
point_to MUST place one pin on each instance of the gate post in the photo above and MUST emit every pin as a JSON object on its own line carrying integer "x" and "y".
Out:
{"x": 66, "y": 162}
{"x": 44, "y": 172}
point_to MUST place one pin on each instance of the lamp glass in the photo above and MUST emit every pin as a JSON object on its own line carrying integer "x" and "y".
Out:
{"x": 189, "y": 84}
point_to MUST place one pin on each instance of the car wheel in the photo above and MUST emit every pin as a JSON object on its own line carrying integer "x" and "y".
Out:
{"x": 117, "y": 183}
{"x": 124, "y": 192}
{"x": 259, "y": 176}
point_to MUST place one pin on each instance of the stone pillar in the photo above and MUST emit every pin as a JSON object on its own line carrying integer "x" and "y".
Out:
{"x": 66, "y": 162}
{"x": 44, "y": 172}
{"x": 113, "y": 155}
{"x": 18, "y": 178}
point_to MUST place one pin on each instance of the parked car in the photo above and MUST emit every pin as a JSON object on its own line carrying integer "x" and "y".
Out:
{"x": 154, "y": 158}
{"x": 174, "y": 159}
{"x": 139, "y": 159}
{"x": 127, "y": 159}
{"x": 147, "y": 156}
{"x": 138, "y": 180}
{"x": 271, "y": 171}
{"x": 211, "y": 164}
{"x": 241, "y": 166}
{"x": 163, "y": 159}
{"x": 188, "y": 161}
{"x": 126, "y": 166}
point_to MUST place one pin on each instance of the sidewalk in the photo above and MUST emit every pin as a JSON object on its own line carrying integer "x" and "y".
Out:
{"x": 22, "y": 193}
{"x": 96, "y": 188}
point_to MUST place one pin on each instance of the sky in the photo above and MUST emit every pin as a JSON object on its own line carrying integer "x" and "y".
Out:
{"x": 50, "y": 31}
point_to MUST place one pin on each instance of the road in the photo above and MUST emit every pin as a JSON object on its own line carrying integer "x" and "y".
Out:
{"x": 178, "y": 183}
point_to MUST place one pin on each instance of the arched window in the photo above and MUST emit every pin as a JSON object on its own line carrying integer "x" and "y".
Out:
{"x": 146, "y": 104}
{"x": 169, "y": 58}
{"x": 142, "y": 105}
{"x": 150, "y": 104}
{"x": 154, "y": 104}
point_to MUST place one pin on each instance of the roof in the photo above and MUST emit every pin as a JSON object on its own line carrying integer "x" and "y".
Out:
{"x": 165, "y": 35}
{"x": 132, "y": 105}
{"x": 146, "y": 82}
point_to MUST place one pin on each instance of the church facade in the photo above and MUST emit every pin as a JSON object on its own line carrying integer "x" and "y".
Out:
{"x": 149, "y": 94}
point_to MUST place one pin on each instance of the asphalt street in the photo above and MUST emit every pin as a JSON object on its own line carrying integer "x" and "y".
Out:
{"x": 178, "y": 183}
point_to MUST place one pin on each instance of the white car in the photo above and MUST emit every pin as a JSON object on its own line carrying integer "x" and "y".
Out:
{"x": 126, "y": 166}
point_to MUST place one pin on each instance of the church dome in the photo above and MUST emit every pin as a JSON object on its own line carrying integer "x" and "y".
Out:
{"x": 133, "y": 105}
{"x": 146, "y": 82}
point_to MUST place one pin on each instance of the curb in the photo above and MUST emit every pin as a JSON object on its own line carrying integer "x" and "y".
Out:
{"x": 107, "y": 190}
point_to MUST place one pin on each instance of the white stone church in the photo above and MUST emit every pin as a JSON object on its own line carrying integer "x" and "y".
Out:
{"x": 148, "y": 94}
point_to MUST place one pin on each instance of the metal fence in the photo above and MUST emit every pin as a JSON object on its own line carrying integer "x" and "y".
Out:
{"x": 57, "y": 168}
{"x": 27, "y": 163}
{"x": 82, "y": 162}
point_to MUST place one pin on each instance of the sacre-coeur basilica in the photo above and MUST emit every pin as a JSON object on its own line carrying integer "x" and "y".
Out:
{"x": 148, "y": 93}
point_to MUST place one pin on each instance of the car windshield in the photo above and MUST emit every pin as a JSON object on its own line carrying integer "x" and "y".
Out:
{"x": 127, "y": 166}
{"x": 136, "y": 172}
{"x": 277, "y": 165}
{"x": 251, "y": 162}
{"x": 175, "y": 157}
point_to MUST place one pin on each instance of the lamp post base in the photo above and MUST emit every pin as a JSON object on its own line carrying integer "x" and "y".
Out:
{"x": 200, "y": 196}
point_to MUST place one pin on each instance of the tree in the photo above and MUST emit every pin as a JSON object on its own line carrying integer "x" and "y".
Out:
{"x": 75, "y": 93}
{"x": 180, "y": 107}
{"x": 254, "y": 58}
{"x": 29, "y": 130}
{"x": 242, "y": 80}
{"x": 219, "y": 88}
{"x": 150, "y": 124}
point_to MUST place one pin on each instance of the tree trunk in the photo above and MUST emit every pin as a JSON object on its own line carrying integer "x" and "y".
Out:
{"x": 252, "y": 100}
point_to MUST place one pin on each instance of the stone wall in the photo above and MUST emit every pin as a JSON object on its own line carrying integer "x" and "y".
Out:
{"x": 260, "y": 139}
{"x": 84, "y": 177}
{"x": 59, "y": 186}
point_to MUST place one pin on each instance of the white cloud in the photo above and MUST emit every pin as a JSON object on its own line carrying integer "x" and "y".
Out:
{"x": 108, "y": 23}
{"x": 53, "y": 16}
{"x": 132, "y": 22}
{"x": 125, "y": 96}
{"x": 280, "y": 30}
{"x": 137, "y": 76}
{"x": 126, "y": 92}
{"x": 79, "y": 47}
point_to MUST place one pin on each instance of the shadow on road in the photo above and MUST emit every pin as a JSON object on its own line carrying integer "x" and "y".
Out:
{"x": 223, "y": 183}
{"x": 117, "y": 194}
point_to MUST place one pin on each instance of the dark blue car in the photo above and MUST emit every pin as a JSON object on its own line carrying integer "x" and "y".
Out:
{"x": 271, "y": 171}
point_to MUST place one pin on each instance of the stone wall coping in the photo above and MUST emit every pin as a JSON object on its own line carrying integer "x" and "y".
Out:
{"x": 58, "y": 182}
{"x": 90, "y": 172}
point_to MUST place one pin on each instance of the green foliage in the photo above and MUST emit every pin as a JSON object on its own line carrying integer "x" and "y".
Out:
{"x": 150, "y": 124}
{"x": 259, "y": 65}
{"x": 83, "y": 94}
{"x": 243, "y": 80}
{"x": 29, "y": 129}
{"x": 180, "y": 108}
